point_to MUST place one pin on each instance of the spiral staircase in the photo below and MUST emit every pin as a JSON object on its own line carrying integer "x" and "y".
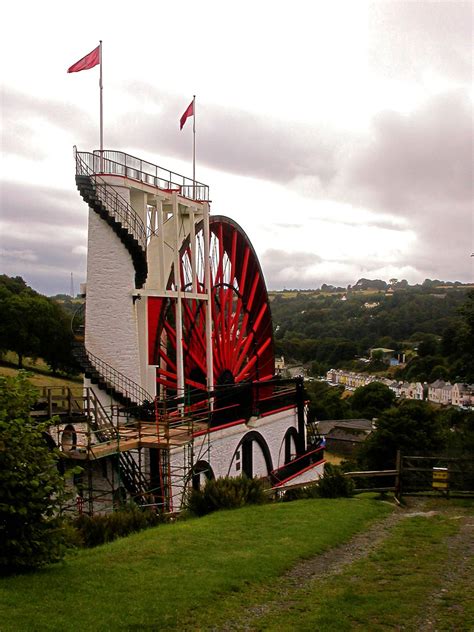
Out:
{"x": 115, "y": 210}
{"x": 128, "y": 226}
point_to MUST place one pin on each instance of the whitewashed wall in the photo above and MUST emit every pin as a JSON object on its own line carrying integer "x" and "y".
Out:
{"x": 111, "y": 321}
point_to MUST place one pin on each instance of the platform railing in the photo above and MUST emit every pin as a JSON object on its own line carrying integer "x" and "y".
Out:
{"x": 118, "y": 163}
{"x": 118, "y": 208}
{"x": 117, "y": 380}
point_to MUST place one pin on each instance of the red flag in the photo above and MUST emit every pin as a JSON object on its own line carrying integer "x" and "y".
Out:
{"x": 89, "y": 61}
{"x": 189, "y": 112}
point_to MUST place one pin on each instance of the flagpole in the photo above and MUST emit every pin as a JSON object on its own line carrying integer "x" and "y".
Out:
{"x": 194, "y": 146}
{"x": 101, "y": 86}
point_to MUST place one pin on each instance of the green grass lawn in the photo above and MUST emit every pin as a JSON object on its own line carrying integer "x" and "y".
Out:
{"x": 389, "y": 589}
{"x": 182, "y": 575}
{"x": 40, "y": 375}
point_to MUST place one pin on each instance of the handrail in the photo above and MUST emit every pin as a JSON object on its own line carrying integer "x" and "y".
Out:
{"x": 117, "y": 380}
{"x": 116, "y": 205}
{"x": 120, "y": 382}
{"x": 119, "y": 163}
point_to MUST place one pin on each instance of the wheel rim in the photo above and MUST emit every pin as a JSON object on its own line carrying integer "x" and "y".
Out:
{"x": 242, "y": 339}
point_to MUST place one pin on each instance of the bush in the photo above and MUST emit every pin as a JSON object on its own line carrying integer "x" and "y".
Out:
{"x": 300, "y": 493}
{"x": 102, "y": 528}
{"x": 226, "y": 493}
{"x": 334, "y": 484}
{"x": 31, "y": 489}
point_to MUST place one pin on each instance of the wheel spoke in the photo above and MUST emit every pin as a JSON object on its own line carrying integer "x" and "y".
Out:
{"x": 241, "y": 321}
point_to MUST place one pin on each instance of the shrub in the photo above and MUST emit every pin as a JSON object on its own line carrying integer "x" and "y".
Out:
{"x": 226, "y": 493}
{"x": 102, "y": 528}
{"x": 334, "y": 484}
{"x": 299, "y": 493}
{"x": 31, "y": 489}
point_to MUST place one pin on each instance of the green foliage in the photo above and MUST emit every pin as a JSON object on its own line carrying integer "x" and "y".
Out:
{"x": 326, "y": 402}
{"x": 315, "y": 327}
{"x": 226, "y": 493}
{"x": 301, "y": 493}
{"x": 32, "y": 488}
{"x": 413, "y": 427}
{"x": 34, "y": 325}
{"x": 369, "y": 401}
{"x": 99, "y": 529}
{"x": 333, "y": 484}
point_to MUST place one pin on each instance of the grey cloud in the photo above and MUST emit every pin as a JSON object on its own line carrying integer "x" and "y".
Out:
{"x": 406, "y": 38}
{"x": 48, "y": 266}
{"x": 383, "y": 224}
{"x": 288, "y": 269}
{"x": 236, "y": 141}
{"x": 27, "y": 205}
{"x": 41, "y": 232}
{"x": 420, "y": 167}
{"x": 289, "y": 225}
{"x": 23, "y": 113}
{"x": 422, "y": 157}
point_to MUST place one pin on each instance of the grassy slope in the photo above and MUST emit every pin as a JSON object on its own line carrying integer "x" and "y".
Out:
{"x": 389, "y": 588}
{"x": 160, "y": 577}
{"x": 41, "y": 379}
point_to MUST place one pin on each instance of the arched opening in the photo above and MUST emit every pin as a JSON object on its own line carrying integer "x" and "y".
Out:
{"x": 291, "y": 440}
{"x": 69, "y": 438}
{"x": 202, "y": 472}
{"x": 254, "y": 453}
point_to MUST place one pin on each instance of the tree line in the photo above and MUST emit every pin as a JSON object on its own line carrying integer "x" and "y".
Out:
{"x": 413, "y": 427}
{"x": 35, "y": 326}
{"x": 434, "y": 328}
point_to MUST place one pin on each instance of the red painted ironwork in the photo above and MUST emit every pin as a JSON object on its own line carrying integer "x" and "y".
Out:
{"x": 242, "y": 338}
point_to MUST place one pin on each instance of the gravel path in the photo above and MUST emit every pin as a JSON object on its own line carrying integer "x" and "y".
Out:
{"x": 319, "y": 566}
{"x": 459, "y": 570}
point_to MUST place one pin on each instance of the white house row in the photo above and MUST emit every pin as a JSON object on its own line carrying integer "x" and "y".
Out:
{"x": 439, "y": 392}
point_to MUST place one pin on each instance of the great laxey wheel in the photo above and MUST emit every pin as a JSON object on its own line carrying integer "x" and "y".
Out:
{"x": 242, "y": 334}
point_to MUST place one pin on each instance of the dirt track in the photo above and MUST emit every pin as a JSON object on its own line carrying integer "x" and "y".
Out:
{"x": 459, "y": 568}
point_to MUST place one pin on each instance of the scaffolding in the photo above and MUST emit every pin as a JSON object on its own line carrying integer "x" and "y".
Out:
{"x": 115, "y": 447}
{"x": 153, "y": 454}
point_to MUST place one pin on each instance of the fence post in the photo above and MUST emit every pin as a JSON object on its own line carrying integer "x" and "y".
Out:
{"x": 398, "y": 477}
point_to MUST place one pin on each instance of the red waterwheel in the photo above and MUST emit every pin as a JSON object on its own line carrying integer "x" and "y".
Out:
{"x": 242, "y": 339}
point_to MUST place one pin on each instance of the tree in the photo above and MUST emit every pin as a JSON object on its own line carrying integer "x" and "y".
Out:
{"x": 34, "y": 325}
{"x": 428, "y": 346}
{"x": 326, "y": 402}
{"x": 32, "y": 487}
{"x": 19, "y": 332}
{"x": 413, "y": 428}
{"x": 369, "y": 401}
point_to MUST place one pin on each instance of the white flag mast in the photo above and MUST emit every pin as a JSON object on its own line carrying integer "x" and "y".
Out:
{"x": 101, "y": 86}
{"x": 194, "y": 146}
{"x": 91, "y": 60}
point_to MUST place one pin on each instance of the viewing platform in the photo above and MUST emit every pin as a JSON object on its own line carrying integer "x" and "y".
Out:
{"x": 118, "y": 163}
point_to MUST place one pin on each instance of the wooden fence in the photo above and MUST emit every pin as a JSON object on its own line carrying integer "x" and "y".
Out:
{"x": 416, "y": 474}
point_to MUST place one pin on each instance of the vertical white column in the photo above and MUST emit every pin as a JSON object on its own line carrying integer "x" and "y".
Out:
{"x": 179, "y": 312}
{"x": 192, "y": 245}
{"x": 161, "y": 245}
{"x": 207, "y": 282}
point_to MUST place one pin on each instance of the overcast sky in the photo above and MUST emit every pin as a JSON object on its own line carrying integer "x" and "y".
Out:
{"x": 338, "y": 134}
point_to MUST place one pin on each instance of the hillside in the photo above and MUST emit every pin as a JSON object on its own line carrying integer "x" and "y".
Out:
{"x": 332, "y": 328}
{"x": 342, "y": 564}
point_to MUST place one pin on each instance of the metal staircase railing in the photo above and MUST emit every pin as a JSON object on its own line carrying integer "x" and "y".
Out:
{"x": 122, "y": 388}
{"x": 133, "y": 478}
{"x": 112, "y": 207}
